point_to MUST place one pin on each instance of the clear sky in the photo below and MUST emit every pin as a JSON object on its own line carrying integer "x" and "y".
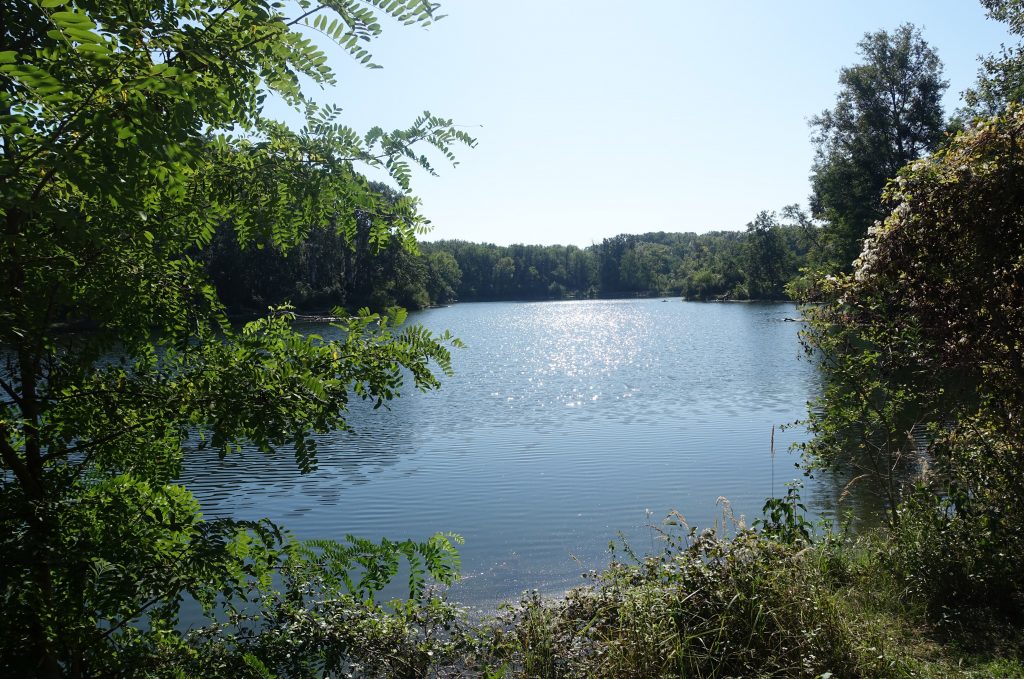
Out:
{"x": 598, "y": 118}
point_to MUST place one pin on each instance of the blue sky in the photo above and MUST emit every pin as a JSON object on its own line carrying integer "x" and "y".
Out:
{"x": 598, "y": 118}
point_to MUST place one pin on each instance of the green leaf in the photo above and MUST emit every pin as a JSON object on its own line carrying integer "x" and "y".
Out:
{"x": 72, "y": 19}
{"x": 83, "y": 35}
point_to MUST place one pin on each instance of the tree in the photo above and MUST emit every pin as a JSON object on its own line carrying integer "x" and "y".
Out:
{"x": 503, "y": 274}
{"x": 766, "y": 257}
{"x": 610, "y": 255}
{"x": 951, "y": 259}
{"x": 327, "y": 268}
{"x": 887, "y": 114}
{"x": 1001, "y": 77}
{"x": 131, "y": 132}
{"x": 445, "y": 277}
{"x": 646, "y": 268}
{"x": 921, "y": 348}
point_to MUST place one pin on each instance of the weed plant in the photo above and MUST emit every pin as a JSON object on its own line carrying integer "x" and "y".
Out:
{"x": 709, "y": 605}
{"x": 779, "y": 601}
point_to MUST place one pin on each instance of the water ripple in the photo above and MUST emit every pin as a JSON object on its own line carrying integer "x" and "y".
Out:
{"x": 563, "y": 425}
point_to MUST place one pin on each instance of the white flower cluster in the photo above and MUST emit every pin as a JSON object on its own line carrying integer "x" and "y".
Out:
{"x": 869, "y": 254}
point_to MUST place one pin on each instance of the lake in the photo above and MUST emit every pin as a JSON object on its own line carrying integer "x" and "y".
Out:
{"x": 566, "y": 423}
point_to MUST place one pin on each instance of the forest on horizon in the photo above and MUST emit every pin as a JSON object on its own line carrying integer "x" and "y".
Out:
{"x": 326, "y": 271}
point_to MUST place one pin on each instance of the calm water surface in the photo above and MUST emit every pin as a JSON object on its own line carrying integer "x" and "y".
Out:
{"x": 565, "y": 423}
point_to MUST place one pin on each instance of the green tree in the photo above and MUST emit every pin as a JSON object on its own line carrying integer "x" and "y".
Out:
{"x": 132, "y": 131}
{"x": 445, "y": 277}
{"x": 888, "y": 113}
{"x": 703, "y": 284}
{"x": 646, "y": 267}
{"x": 766, "y": 257}
{"x": 1001, "y": 77}
{"x": 921, "y": 348}
{"x": 325, "y": 269}
{"x": 503, "y": 273}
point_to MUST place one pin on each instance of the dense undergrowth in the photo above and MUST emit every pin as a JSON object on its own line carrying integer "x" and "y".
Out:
{"x": 748, "y": 604}
{"x": 730, "y": 601}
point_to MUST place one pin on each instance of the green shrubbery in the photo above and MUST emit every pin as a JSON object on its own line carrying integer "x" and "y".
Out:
{"x": 707, "y": 606}
{"x": 921, "y": 352}
{"x": 724, "y": 603}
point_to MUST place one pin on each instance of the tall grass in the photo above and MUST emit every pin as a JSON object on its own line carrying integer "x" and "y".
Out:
{"x": 742, "y": 604}
{"x": 708, "y": 606}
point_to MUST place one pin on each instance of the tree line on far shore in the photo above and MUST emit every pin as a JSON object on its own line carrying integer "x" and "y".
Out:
{"x": 328, "y": 270}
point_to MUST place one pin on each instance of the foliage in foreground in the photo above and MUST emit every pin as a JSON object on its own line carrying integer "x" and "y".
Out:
{"x": 707, "y": 606}
{"x": 132, "y": 132}
{"x": 749, "y": 605}
{"x": 778, "y": 601}
{"x": 921, "y": 349}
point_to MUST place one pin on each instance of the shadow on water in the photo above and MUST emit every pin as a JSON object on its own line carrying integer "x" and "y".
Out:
{"x": 249, "y": 479}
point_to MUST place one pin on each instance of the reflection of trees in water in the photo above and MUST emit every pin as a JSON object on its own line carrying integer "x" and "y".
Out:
{"x": 380, "y": 440}
{"x": 864, "y": 489}
{"x": 854, "y": 491}
{"x": 847, "y": 494}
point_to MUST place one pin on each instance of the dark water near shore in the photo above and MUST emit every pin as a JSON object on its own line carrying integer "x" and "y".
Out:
{"x": 566, "y": 422}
